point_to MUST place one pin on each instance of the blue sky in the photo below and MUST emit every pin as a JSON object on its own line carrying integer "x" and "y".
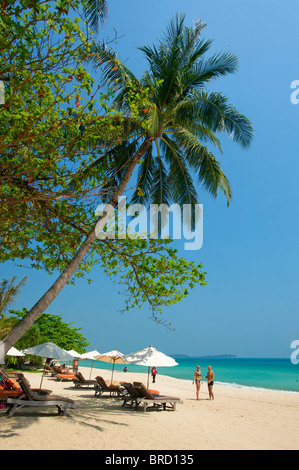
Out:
{"x": 250, "y": 251}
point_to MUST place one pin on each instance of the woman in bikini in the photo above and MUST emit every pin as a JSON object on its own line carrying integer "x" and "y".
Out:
{"x": 198, "y": 381}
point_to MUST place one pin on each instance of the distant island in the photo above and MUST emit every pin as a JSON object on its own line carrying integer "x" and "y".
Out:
{"x": 180, "y": 356}
{"x": 221, "y": 356}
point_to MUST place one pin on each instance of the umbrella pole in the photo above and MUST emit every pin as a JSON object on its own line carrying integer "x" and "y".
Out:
{"x": 112, "y": 372}
{"x": 42, "y": 379}
{"x": 90, "y": 372}
{"x": 148, "y": 375}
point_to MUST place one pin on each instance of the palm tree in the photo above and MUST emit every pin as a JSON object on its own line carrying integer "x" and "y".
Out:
{"x": 8, "y": 292}
{"x": 182, "y": 116}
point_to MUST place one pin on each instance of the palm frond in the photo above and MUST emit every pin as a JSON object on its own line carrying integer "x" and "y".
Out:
{"x": 212, "y": 177}
{"x": 8, "y": 291}
{"x": 216, "y": 66}
{"x": 204, "y": 163}
{"x": 215, "y": 111}
{"x": 96, "y": 12}
{"x": 112, "y": 69}
{"x": 144, "y": 179}
{"x": 161, "y": 191}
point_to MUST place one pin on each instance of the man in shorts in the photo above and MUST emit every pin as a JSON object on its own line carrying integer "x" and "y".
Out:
{"x": 210, "y": 378}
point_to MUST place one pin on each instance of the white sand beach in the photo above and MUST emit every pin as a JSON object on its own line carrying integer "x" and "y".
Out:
{"x": 239, "y": 418}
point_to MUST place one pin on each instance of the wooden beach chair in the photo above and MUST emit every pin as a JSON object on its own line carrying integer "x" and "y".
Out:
{"x": 102, "y": 387}
{"x": 132, "y": 397}
{"x": 12, "y": 387}
{"x": 148, "y": 398}
{"x": 81, "y": 382}
{"x": 153, "y": 392}
{"x": 13, "y": 393}
{"x": 31, "y": 399}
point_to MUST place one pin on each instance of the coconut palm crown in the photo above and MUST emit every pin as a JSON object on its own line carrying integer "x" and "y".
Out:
{"x": 181, "y": 117}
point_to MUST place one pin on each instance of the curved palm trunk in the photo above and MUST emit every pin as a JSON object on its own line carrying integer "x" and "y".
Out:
{"x": 16, "y": 333}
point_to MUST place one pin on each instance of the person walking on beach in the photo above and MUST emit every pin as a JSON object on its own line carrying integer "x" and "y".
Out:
{"x": 210, "y": 378}
{"x": 198, "y": 381}
{"x": 154, "y": 373}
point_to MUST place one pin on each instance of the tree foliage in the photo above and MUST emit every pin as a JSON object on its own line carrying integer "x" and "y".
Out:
{"x": 47, "y": 328}
{"x": 55, "y": 123}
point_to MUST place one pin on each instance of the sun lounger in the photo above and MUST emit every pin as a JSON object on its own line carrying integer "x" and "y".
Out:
{"x": 132, "y": 397}
{"x": 30, "y": 399}
{"x": 13, "y": 388}
{"x": 4, "y": 394}
{"x": 80, "y": 381}
{"x": 102, "y": 387}
{"x": 69, "y": 376}
{"x": 148, "y": 398}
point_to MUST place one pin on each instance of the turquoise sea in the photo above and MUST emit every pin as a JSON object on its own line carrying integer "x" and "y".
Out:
{"x": 276, "y": 374}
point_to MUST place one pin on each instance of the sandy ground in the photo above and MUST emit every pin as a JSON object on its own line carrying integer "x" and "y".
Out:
{"x": 239, "y": 418}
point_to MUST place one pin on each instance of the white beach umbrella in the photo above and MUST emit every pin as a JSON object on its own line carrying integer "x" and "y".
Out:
{"x": 48, "y": 350}
{"x": 112, "y": 357}
{"x": 74, "y": 353}
{"x": 90, "y": 356}
{"x": 150, "y": 357}
{"x": 14, "y": 352}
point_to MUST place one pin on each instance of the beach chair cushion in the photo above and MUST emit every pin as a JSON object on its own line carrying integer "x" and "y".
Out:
{"x": 9, "y": 384}
{"x": 146, "y": 392}
{"x": 66, "y": 377}
{"x": 9, "y": 394}
{"x": 154, "y": 392}
{"x": 13, "y": 384}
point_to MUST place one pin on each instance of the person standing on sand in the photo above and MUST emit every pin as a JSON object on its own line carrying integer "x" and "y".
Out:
{"x": 210, "y": 378}
{"x": 198, "y": 381}
{"x": 154, "y": 373}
